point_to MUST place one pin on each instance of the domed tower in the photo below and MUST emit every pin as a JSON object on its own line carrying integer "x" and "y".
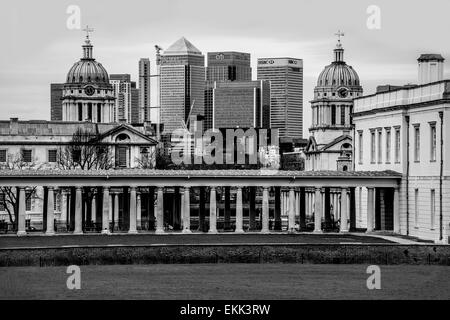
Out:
{"x": 87, "y": 93}
{"x": 330, "y": 144}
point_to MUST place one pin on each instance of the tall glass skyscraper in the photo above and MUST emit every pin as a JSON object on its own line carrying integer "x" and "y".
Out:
{"x": 286, "y": 89}
{"x": 182, "y": 84}
{"x": 144, "y": 89}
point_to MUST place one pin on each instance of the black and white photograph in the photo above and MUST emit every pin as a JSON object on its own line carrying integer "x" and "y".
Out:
{"x": 225, "y": 159}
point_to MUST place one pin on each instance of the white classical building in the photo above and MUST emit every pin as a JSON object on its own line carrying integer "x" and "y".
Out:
{"x": 330, "y": 144}
{"x": 405, "y": 129}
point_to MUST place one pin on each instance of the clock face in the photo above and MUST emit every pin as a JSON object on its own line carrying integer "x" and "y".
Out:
{"x": 343, "y": 92}
{"x": 89, "y": 90}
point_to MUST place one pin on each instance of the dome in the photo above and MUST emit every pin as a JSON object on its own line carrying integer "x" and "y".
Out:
{"x": 87, "y": 70}
{"x": 338, "y": 74}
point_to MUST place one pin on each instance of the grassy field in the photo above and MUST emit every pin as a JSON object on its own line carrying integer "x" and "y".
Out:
{"x": 226, "y": 281}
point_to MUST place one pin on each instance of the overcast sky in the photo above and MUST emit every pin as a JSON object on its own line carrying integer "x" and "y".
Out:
{"x": 38, "y": 49}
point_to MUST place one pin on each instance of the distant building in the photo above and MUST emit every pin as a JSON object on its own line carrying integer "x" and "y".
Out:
{"x": 405, "y": 129}
{"x": 135, "y": 114}
{"x": 330, "y": 144}
{"x": 144, "y": 89}
{"x": 286, "y": 89}
{"x": 56, "y": 94}
{"x": 238, "y": 104}
{"x": 228, "y": 66}
{"x": 182, "y": 84}
{"x": 122, "y": 91}
{"x": 87, "y": 93}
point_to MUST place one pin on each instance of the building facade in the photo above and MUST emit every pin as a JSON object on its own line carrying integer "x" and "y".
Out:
{"x": 56, "y": 94}
{"x": 286, "y": 89}
{"x": 126, "y": 108}
{"x": 144, "y": 89}
{"x": 330, "y": 144}
{"x": 182, "y": 84}
{"x": 228, "y": 66}
{"x": 87, "y": 93}
{"x": 405, "y": 129}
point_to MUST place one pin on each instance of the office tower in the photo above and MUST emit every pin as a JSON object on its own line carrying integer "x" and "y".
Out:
{"x": 135, "y": 114}
{"x": 122, "y": 92}
{"x": 182, "y": 84}
{"x": 56, "y": 94}
{"x": 242, "y": 104}
{"x": 228, "y": 66}
{"x": 144, "y": 89}
{"x": 286, "y": 89}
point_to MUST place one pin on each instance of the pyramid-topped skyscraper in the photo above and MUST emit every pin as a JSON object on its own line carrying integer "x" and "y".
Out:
{"x": 182, "y": 84}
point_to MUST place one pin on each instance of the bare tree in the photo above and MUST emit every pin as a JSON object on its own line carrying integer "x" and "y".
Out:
{"x": 85, "y": 151}
{"x": 11, "y": 194}
{"x": 147, "y": 159}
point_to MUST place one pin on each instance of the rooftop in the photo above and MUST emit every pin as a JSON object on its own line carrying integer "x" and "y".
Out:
{"x": 182, "y": 46}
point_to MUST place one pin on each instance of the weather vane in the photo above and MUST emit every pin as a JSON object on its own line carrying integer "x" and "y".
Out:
{"x": 87, "y": 29}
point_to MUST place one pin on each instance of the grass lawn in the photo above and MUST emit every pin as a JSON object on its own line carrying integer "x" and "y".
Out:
{"x": 226, "y": 281}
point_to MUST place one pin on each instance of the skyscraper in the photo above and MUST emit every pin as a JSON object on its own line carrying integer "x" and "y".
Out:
{"x": 228, "y": 66}
{"x": 243, "y": 104}
{"x": 286, "y": 89}
{"x": 135, "y": 114}
{"x": 182, "y": 84}
{"x": 122, "y": 91}
{"x": 144, "y": 89}
{"x": 56, "y": 94}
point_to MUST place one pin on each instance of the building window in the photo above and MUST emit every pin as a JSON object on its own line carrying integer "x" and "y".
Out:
{"x": 416, "y": 143}
{"x": 27, "y": 201}
{"x": 360, "y": 146}
{"x": 397, "y": 145}
{"x": 380, "y": 149}
{"x": 343, "y": 115}
{"x": 432, "y": 141}
{"x": 2, "y": 202}
{"x": 333, "y": 114}
{"x": 433, "y": 207}
{"x": 388, "y": 145}
{"x": 372, "y": 147}
{"x": 2, "y": 155}
{"x": 26, "y": 155}
{"x": 121, "y": 157}
{"x": 52, "y": 155}
{"x": 416, "y": 207}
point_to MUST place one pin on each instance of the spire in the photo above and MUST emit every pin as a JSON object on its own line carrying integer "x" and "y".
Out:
{"x": 339, "y": 51}
{"x": 87, "y": 47}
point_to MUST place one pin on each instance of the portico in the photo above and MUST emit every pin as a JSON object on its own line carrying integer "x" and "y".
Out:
{"x": 239, "y": 200}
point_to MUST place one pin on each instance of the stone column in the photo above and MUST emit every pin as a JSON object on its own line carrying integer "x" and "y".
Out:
{"x": 94, "y": 208}
{"x": 344, "y": 210}
{"x": 110, "y": 204}
{"x": 63, "y": 218}
{"x": 78, "y": 211}
{"x": 22, "y": 214}
{"x": 370, "y": 208}
{"x": 186, "y": 211}
{"x": 396, "y": 213}
{"x": 239, "y": 211}
{"x": 138, "y": 211}
{"x": 182, "y": 209}
{"x": 160, "y": 211}
{"x": 265, "y": 211}
{"x": 291, "y": 215}
{"x": 116, "y": 209}
{"x": 50, "y": 212}
{"x": 318, "y": 210}
{"x": 212, "y": 211}
{"x": 106, "y": 211}
{"x": 132, "y": 228}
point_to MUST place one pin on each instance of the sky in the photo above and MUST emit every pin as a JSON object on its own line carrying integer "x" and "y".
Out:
{"x": 38, "y": 48}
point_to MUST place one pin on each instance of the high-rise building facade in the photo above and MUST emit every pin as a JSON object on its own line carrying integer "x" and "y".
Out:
{"x": 135, "y": 114}
{"x": 144, "y": 89}
{"x": 243, "y": 104}
{"x": 228, "y": 66}
{"x": 56, "y": 94}
{"x": 122, "y": 91}
{"x": 182, "y": 84}
{"x": 286, "y": 89}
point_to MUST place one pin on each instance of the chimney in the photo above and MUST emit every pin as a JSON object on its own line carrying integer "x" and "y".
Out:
{"x": 431, "y": 68}
{"x": 14, "y": 126}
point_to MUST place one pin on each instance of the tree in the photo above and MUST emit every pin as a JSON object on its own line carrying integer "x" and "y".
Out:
{"x": 85, "y": 151}
{"x": 10, "y": 194}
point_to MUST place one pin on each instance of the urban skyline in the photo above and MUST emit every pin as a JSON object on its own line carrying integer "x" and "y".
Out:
{"x": 121, "y": 50}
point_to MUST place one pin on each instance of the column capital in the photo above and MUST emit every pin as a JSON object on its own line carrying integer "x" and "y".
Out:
{"x": 212, "y": 188}
{"x": 161, "y": 189}
{"x": 187, "y": 188}
{"x": 79, "y": 188}
{"x": 106, "y": 188}
{"x": 239, "y": 188}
